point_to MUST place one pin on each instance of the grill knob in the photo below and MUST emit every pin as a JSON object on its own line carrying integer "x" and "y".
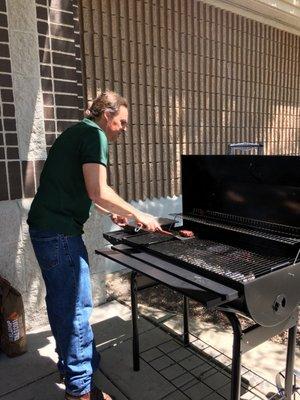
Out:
{"x": 279, "y": 304}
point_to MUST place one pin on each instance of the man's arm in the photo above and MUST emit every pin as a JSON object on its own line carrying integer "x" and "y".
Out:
{"x": 116, "y": 219}
{"x": 102, "y": 210}
{"x": 100, "y": 193}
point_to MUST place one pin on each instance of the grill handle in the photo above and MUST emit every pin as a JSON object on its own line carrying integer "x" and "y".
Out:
{"x": 244, "y": 147}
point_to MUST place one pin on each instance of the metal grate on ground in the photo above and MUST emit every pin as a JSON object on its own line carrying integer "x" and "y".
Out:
{"x": 202, "y": 372}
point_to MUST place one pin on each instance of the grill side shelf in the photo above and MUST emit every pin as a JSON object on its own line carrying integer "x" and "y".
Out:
{"x": 227, "y": 293}
{"x": 207, "y": 298}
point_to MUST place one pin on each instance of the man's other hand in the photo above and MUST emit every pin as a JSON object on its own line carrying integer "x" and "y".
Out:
{"x": 119, "y": 220}
{"x": 148, "y": 222}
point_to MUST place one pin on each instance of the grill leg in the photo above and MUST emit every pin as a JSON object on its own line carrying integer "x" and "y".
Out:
{"x": 134, "y": 313}
{"x": 236, "y": 356}
{"x": 290, "y": 360}
{"x": 186, "y": 336}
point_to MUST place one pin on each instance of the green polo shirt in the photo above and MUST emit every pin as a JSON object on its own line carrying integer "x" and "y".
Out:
{"x": 61, "y": 203}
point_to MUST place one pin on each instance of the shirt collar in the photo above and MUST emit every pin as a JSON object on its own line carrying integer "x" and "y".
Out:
{"x": 91, "y": 123}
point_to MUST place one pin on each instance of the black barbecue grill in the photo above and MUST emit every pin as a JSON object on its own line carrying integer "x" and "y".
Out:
{"x": 244, "y": 258}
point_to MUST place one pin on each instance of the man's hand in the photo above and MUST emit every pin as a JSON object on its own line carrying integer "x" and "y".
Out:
{"x": 119, "y": 220}
{"x": 148, "y": 222}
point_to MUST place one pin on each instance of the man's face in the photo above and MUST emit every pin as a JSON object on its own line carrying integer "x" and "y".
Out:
{"x": 117, "y": 124}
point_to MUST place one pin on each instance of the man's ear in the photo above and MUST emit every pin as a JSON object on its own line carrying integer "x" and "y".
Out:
{"x": 107, "y": 115}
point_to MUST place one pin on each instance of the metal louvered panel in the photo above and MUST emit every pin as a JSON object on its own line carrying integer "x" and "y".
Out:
{"x": 196, "y": 78}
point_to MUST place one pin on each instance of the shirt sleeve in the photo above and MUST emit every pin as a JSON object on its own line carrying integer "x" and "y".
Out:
{"x": 94, "y": 148}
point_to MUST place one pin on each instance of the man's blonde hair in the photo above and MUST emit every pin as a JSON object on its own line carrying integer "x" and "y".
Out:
{"x": 107, "y": 101}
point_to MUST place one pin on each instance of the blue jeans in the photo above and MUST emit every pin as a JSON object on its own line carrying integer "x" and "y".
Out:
{"x": 64, "y": 264}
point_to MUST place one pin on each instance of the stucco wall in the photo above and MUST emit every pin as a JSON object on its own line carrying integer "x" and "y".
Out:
{"x": 35, "y": 107}
{"x": 27, "y": 116}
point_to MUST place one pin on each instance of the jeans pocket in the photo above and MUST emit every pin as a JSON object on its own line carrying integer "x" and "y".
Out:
{"x": 46, "y": 251}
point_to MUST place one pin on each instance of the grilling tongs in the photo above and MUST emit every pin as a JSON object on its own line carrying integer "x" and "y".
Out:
{"x": 164, "y": 232}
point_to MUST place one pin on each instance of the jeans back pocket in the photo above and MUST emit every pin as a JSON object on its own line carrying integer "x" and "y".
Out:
{"x": 46, "y": 251}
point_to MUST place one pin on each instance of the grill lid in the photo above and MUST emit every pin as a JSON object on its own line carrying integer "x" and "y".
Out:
{"x": 263, "y": 191}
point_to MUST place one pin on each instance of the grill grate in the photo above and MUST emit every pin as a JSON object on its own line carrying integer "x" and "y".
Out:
{"x": 232, "y": 262}
{"x": 257, "y": 229}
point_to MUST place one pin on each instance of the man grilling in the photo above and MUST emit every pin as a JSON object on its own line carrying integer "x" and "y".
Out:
{"x": 74, "y": 177}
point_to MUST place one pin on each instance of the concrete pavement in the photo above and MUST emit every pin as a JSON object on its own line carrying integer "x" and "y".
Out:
{"x": 168, "y": 370}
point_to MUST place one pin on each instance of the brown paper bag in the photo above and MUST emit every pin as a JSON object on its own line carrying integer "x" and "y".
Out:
{"x": 13, "y": 341}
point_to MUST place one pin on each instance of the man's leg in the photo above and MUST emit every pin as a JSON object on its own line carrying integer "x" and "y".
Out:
{"x": 60, "y": 363}
{"x": 81, "y": 357}
{"x": 64, "y": 264}
{"x": 41, "y": 239}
